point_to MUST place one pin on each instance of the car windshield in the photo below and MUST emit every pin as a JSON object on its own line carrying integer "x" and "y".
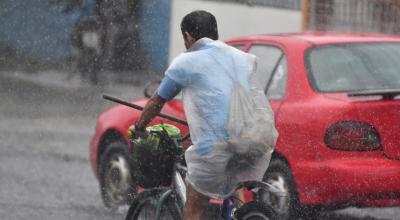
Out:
{"x": 354, "y": 67}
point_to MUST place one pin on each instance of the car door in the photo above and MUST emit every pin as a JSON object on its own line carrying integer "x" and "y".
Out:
{"x": 271, "y": 74}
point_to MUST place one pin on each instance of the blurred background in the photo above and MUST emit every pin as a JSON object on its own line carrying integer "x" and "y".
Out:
{"x": 135, "y": 35}
{"x": 58, "y": 56}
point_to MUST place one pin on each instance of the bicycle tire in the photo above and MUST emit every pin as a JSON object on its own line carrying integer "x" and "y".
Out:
{"x": 144, "y": 207}
{"x": 256, "y": 211}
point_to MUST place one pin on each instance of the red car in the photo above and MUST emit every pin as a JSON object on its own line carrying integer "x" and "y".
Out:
{"x": 336, "y": 99}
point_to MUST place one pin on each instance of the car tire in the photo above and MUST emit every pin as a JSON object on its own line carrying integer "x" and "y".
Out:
{"x": 280, "y": 176}
{"x": 116, "y": 184}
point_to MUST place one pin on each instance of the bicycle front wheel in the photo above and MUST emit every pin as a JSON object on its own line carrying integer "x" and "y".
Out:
{"x": 145, "y": 205}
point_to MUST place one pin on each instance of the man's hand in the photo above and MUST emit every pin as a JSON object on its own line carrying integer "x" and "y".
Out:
{"x": 134, "y": 132}
{"x": 150, "y": 111}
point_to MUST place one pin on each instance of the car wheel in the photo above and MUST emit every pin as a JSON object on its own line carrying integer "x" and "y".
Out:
{"x": 116, "y": 184}
{"x": 279, "y": 175}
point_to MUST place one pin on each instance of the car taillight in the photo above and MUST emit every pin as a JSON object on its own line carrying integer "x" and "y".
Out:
{"x": 352, "y": 136}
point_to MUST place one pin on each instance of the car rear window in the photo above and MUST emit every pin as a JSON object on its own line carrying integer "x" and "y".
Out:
{"x": 354, "y": 67}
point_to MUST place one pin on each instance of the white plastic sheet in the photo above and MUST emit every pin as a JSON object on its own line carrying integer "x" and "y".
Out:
{"x": 242, "y": 143}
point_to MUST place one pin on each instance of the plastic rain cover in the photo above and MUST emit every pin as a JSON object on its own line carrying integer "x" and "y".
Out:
{"x": 251, "y": 135}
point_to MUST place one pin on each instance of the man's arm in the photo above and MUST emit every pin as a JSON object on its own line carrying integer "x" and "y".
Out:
{"x": 150, "y": 111}
{"x": 167, "y": 90}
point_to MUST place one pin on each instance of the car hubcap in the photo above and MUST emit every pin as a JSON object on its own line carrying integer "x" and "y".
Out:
{"x": 280, "y": 204}
{"x": 118, "y": 179}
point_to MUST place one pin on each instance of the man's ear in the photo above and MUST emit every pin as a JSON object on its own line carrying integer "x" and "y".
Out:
{"x": 189, "y": 37}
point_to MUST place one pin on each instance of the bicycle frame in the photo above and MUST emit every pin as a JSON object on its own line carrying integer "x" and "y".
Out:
{"x": 179, "y": 188}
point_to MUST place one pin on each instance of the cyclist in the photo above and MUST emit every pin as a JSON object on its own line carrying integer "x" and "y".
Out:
{"x": 201, "y": 74}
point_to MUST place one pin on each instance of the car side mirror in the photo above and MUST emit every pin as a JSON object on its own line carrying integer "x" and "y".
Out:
{"x": 151, "y": 88}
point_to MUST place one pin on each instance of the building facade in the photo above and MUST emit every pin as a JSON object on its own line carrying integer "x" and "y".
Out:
{"x": 379, "y": 16}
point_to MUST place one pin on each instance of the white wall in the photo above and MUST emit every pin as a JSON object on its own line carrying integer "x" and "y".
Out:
{"x": 233, "y": 20}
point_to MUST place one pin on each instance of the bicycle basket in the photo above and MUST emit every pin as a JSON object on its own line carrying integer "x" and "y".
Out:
{"x": 154, "y": 156}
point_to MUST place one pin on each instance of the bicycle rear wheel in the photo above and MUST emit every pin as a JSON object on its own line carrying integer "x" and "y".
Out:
{"x": 256, "y": 211}
{"x": 145, "y": 205}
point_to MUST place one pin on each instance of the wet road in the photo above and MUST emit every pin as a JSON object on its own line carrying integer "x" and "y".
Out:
{"x": 45, "y": 129}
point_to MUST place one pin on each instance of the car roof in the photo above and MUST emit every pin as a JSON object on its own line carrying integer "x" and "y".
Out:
{"x": 320, "y": 38}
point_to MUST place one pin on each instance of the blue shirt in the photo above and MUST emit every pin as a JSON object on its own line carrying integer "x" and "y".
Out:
{"x": 205, "y": 74}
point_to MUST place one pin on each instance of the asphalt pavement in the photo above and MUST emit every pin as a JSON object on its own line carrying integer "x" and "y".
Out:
{"x": 46, "y": 122}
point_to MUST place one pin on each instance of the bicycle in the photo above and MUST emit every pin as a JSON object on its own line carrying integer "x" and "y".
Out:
{"x": 168, "y": 202}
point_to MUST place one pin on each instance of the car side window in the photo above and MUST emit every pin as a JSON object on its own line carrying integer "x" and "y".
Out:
{"x": 277, "y": 87}
{"x": 271, "y": 70}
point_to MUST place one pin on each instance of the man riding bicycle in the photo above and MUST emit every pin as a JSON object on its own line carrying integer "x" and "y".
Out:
{"x": 204, "y": 74}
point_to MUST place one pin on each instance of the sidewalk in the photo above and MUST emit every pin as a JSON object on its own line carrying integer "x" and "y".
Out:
{"x": 127, "y": 84}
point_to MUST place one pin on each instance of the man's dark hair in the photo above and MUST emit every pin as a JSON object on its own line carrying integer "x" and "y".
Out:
{"x": 200, "y": 24}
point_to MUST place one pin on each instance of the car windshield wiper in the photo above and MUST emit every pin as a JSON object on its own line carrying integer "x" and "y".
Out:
{"x": 385, "y": 93}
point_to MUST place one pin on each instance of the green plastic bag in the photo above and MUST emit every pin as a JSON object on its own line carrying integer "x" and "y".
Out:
{"x": 153, "y": 140}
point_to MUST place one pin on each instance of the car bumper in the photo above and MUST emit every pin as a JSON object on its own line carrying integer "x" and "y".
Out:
{"x": 374, "y": 180}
